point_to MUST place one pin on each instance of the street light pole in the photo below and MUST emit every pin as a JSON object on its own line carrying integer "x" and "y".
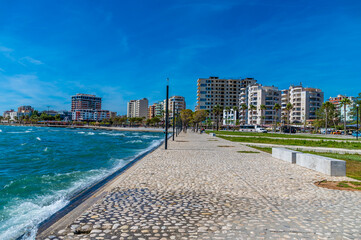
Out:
{"x": 357, "y": 131}
{"x": 166, "y": 117}
{"x": 173, "y": 116}
{"x": 177, "y": 129}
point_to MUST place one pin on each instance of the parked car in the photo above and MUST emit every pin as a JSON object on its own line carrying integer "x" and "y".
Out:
{"x": 288, "y": 129}
{"x": 356, "y": 134}
{"x": 261, "y": 130}
{"x": 337, "y": 132}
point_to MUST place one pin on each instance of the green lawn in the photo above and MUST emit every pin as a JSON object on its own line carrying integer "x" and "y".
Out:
{"x": 353, "y": 161}
{"x": 279, "y": 135}
{"x": 295, "y": 142}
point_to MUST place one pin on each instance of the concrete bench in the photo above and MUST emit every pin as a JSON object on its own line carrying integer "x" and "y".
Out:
{"x": 284, "y": 154}
{"x": 212, "y": 134}
{"x": 329, "y": 166}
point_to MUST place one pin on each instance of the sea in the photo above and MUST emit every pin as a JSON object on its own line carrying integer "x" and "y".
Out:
{"x": 41, "y": 168}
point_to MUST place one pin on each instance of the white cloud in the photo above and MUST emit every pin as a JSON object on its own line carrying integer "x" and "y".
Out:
{"x": 30, "y": 60}
{"x": 27, "y": 89}
{"x": 5, "y": 49}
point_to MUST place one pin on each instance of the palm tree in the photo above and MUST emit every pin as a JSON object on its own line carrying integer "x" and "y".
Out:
{"x": 217, "y": 110}
{"x": 289, "y": 107}
{"x": 244, "y": 108}
{"x": 344, "y": 102}
{"x": 276, "y": 107}
{"x": 251, "y": 109}
{"x": 235, "y": 111}
{"x": 262, "y": 107}
{"x": 327, "y": 107}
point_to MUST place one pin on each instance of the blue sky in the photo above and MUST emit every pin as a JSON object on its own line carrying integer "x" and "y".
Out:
{"x": 123, "y": 50}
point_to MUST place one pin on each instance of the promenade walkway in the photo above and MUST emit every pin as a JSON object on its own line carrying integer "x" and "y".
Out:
{"x": 203, "y": 188}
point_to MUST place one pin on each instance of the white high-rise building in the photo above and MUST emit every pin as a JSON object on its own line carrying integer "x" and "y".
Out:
{"x": 179, "y": 104}
{"x": 341, "y": 109}
{"x": 137, "y": 108}
{"x": 243, "y": 98}
{"x": 305, "y": 102}
{"x": 268, "y": 96}
{"x": 214, "y": 91}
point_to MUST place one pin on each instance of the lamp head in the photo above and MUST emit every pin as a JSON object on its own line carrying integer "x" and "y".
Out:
{"x": 357, "y": 105}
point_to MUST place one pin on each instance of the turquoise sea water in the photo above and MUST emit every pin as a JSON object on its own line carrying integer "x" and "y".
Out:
{"x": 40, "y": 168}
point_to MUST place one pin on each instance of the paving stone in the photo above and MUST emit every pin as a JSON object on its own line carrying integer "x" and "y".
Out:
{"x": 197, "y": 190}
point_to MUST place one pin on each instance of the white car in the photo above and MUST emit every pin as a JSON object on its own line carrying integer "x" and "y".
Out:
{"x": 261, "y": 130}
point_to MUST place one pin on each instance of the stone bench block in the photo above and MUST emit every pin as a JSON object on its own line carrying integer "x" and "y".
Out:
{"x": 212, "y": 134}
{"x": 284, "y": 154}
{"x": 329, "y": 166}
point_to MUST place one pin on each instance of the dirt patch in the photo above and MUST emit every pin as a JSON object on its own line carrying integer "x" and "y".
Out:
{"x": 224, "y": 146}
{"x": 340, "y": 185}
{"x": 181, "y": 141}
{"x": 247, "y": 152}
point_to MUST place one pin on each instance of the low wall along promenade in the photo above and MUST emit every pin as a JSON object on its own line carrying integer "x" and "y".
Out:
{"x": 329, "y": 166}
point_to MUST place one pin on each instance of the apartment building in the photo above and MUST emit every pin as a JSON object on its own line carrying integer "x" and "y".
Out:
{"x": 337, "y": 102}
{"x": 305, "y": 102}
{"x": 229, "y": 117}
{"x": 87, "y": 107}
{"x": 151, "y": 111}
{"x": 178, "y": 102}
{"x": 214, "y": 91}
{"x": 25, "y": 111}
{"x": 90, "y": 115}
{"x": 243, "y": 98}
{"x": 11, "y": 115}
{"x": 86, "y": 101}
{"x": 159, "y": 109}
{"x": 268, "y": 96}
{"x": 137, "y": 108}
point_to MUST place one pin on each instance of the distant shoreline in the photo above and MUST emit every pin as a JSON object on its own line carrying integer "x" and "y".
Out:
{"x": 128, "y": 129}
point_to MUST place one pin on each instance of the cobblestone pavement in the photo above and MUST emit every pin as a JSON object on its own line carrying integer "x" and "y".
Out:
{"x": 202, "y": 188}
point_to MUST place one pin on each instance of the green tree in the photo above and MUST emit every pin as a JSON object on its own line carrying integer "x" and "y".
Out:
{"x": 217, "y": 110}
{"x": 327, "y": 107}
{"x": 263, "y": 107}
{"x": 198, "y": 117}
{"x": 251, "y": 109}
{"x": 235, "y": 112}
{"x": 187, "y": 117}
{"x": 289, "y": 108}
{"x": 344, "y": 103}
{"x": 244, "y": 108}
{"x": 277, "y": 108}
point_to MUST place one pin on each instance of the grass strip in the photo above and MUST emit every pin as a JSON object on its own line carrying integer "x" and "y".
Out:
{"x": 279, "y": 135}
{"x": 353, "y": 185}
{"x": 247, "y": 152}
{"x": 296, "y": 142}
{"x": 264, "y": 149}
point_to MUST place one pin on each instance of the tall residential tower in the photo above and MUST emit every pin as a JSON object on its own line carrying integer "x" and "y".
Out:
{"x": 137, "y": 108}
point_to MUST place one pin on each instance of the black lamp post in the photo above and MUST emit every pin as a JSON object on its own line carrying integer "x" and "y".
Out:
{"x": 173, "y": 116}
{"x": 166, "y": 117}
{"x": 357, "y": 131}
{"x": 177, "y": 129}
